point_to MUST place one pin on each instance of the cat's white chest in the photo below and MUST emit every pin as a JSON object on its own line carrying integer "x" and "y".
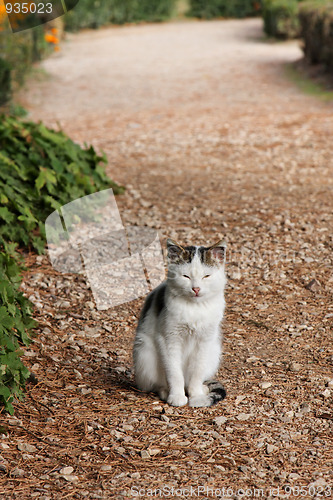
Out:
{"x": 196, "y": 318}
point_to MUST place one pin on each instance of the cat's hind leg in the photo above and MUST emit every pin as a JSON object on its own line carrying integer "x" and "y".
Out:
{"x": 163, "y": 393}
{"x": 147, "y": 367}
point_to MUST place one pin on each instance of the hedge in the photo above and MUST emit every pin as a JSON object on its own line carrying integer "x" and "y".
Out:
{"x": 15, "y": 325}
{"x": 88, "y": 14}
{"x": 224, "y": 8}
{"x": 18, "y": 51}
{"x": 40, "y": 170}
{"x": 316, "y": 19}
{"x": 281, "y": 18}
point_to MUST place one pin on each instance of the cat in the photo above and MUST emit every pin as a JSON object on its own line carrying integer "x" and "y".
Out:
{"x": 177, "y": 346}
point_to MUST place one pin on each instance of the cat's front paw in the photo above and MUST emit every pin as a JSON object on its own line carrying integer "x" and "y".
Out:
{"x": 198, "y": 401}
{"x": 177, "y": 399}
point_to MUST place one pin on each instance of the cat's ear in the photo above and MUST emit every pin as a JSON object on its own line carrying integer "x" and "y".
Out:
{"x": 174, "y": 250}
{"x": 217, "y": 252}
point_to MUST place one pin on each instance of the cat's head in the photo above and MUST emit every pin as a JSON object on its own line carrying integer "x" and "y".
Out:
{"x": 196, "y": 272}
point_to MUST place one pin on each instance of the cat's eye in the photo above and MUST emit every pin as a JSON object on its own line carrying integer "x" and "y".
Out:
{"x": 207, "y": 276}
{"x": 185, "y": 276}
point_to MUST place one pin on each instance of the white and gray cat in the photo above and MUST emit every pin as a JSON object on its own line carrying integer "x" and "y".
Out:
{"x": 177, "y": 347}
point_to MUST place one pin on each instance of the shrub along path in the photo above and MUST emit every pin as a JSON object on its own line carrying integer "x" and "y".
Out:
{"x": 211, "y": 140}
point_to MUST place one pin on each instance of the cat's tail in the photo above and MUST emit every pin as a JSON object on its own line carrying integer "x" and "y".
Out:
{"x": 216, "y": 391}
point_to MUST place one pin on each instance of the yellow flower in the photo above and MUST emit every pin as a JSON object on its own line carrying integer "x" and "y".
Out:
{"x": 51, "y": 38}
{"x": 3, "y": 12}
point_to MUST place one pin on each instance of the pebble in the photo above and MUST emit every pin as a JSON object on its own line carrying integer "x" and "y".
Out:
{"x": 244, "y": 416}
{"x": 261, "y": 474}
{"x": 106, "y": 467}
{"x": 293, "y": 476}
{"x": 120, "y": 450}
{"x": 26, "y": 447}
{"x": 145, "y": 454}
{"x": 157, "y": 407}
{"x": 70, "y": 478}
{"x": 252, "y": 359}
{"x": 66, "y": 470}
{"x": 154, "y": 451}
{"x": 295, "y": 367}
{"x": 230, "y": 459}
{"x": 220, "y": 420}
{"x": 270, "y": 448}
{"x": 239, "y": 399}
{"x": 304, "y": 409}
{"x": 18, "y": 472}
{"x": 127, "y": 427}
{"x": 265, "y": 385}
{"x": 84, "y": 391}
{"x": 224, "y": 443}
{"x": 243, "y": 468}
{"x": 15, "y": 421}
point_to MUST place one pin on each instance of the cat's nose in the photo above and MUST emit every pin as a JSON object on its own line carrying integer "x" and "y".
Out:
{"x": 196, "y": 290}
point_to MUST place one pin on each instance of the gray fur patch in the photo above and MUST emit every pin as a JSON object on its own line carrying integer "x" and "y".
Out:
{"x": 160, "y": 299}
{"x": 210, "y": 256}
{"x": 216, "y": 391}
{"x": 181, "y": 255}
{"x": 146, "y": 307}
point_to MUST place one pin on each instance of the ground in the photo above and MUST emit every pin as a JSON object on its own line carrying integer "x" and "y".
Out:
{"x": 211, "y": 139}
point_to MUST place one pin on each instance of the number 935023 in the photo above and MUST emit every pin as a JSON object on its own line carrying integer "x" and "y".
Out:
{"x": 28, "y": 8}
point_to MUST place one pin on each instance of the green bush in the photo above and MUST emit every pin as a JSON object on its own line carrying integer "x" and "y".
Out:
{"x": 18, "y": 51}
{"x": 89, "y": 14}
{"x": 281, "y": 18}
{"x": 15, "y": 323}
{"x": 316, "y": 19}
{"x": 224, "y": 8}
{"x": 205, "y": 9}
{"x": 5, "y": 82}
{"x": 40, "y": 170}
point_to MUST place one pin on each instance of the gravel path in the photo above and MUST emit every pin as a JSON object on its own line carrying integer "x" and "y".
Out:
{"x": 200, "y": 123}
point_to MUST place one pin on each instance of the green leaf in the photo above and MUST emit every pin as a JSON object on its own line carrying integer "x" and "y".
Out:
{"x": 55, "y": 137}
{"x": 3, "y": 198}
{"x": 45, "y": 176}
{"x": 6, "y": 320}
{"x": 6, "y": 215}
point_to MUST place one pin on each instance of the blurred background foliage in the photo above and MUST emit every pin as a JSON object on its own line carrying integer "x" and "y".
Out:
{"x": 224, "y": 8}
{"x": 316, "y": 20}
{"x": 92, "y": 14}
{"x": 311, "y": 20}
